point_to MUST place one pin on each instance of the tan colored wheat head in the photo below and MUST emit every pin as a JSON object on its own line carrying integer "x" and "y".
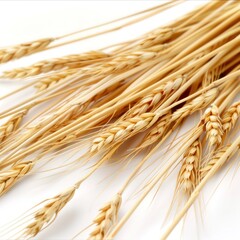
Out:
{"x": 230, "y": 117}
{"x": 214, "y": 159}
{"x": 54, "y": 64}
{"x": 157, "y": 131}
{"x": 8, "y": 178}
{"x": 106, "y": 219}
{"x": 213, "y": 125}
{"x": 154, "y": 98}
{"x": 24, "y": 49}
{"x": 188, "y": 177}
{"x": 45, "y": 215}
{"x": 11, "y": 125}
{"x": 51, "y": 80}
{"x": 117, "y": 132}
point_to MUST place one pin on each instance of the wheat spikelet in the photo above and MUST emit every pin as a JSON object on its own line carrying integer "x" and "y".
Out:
{"x": 122, "y": 129}
{"x": 188, "y": 175}
{"x": 214, "y": 159}
{"x": 213, "y": 125}
{"x": 11, "y": 125}
{"x": 10, "y": 177}
{"x": 148, "y": 102}
{"x": 230, "y": 116}
{"x": 55, "y": 78}
{"x": 45, "y": 215}
{"x": 54, "y": 64}
{"x": 21, "y": 50}
{"x": 197, "y": 103}
{"x": 106, "y": 218}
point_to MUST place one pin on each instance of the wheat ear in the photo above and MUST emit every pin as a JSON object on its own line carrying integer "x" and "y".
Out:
{"x": 106, "y": 218}
{"x": 10, "y": 177}
{"x": 188, "y": 175}
{"x": 197, "y": 103}
{"x": 150, "y": 101}
{"x": 50, "y": 81}
{"x": 55, "y": 64}
{"x": 157, "y": 131}
{"x": 24, "y": 49}
{"x": 11, "y": 125}
{"x": 49, "y": 211}
{"x": 123, "y": 129}
{"x": 230, "y": 117}
{"x": 213, "y": 125}
{"x": 214, "y": 159}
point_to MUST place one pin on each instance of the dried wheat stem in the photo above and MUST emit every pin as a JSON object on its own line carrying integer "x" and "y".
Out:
{"x": 10, "y": 177}
{"x": 213, "y": 125}
{"x": 49, "y": 211}
{"x": 230, "y": 116}
{"x": 24, "y": 49}
{"x": 188, "y": 175}
{"x": 106, "y": 218}
{"x": 82, "y": 59}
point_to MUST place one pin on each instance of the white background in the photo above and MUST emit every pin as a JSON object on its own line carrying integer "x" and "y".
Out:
{"x": 22, "y": 21}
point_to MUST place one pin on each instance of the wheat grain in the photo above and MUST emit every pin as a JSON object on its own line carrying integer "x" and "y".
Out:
{"x": 10, "y": 177}
{"x": 106, "y": 219}
{"x": 230, "y": 117}
{"x": 188, "y": 175}
{"x": 45, "y": 215}
{"x": 121, "y": 130}
{"x": 213, "y": 125}
{"x": 21, "y": 50}
{"x": 55, "y": 64}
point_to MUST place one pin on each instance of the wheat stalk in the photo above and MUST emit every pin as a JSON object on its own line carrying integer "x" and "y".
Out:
{"x": 230, "y": 117}
{"x": 106, "y": 218}
{"x": 188, "y": 175}
{"x": 213, "y": 125}
{"x": 24, "y": 49}
{"x": 54, "y": 64}
{"x": 49, "y": 211}
{"x": 10, "y": 177}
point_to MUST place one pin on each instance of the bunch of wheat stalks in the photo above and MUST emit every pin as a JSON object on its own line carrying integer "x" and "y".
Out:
{"x": 146, "y": 87}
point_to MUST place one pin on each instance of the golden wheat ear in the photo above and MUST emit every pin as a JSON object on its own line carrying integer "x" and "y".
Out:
{"x": 106, "y": 218}
{"x": 24, "y": 49}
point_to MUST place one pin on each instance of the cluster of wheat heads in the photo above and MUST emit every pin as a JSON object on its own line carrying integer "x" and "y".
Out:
{"x": 103, "y": 100}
